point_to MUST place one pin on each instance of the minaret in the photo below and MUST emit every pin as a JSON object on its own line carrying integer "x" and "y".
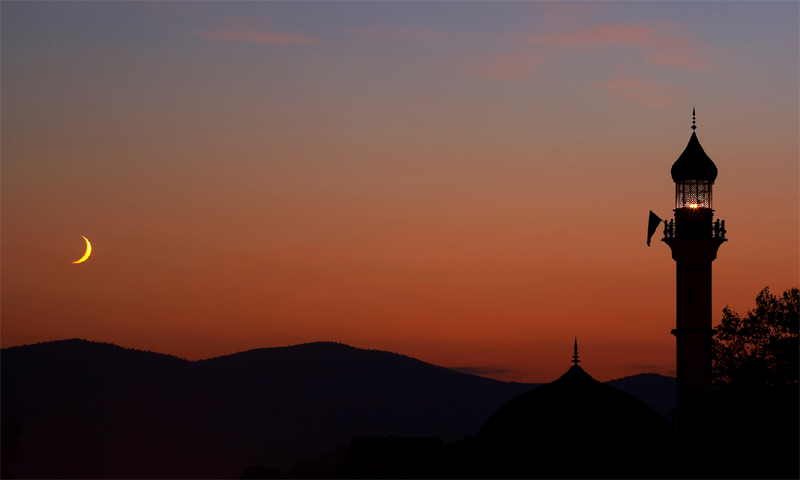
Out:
{"x": 694, "y": 238}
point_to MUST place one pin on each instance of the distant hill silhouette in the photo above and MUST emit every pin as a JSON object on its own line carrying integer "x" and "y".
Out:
{"x": 657, "y": 391}
{"x": 90, "y": 410}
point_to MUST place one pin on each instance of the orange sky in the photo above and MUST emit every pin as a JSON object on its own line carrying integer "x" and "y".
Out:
{"x": 466, "y": 183}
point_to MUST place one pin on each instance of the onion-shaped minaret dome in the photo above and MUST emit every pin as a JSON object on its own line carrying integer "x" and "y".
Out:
{"x": 694, "y": 174}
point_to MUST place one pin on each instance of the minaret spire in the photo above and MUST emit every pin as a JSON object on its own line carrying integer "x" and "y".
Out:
{"x": 693, "y": 120}
{"x": 575, "y": 355}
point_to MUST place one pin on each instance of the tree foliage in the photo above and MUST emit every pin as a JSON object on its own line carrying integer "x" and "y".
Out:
{"x": 762, "y": 347}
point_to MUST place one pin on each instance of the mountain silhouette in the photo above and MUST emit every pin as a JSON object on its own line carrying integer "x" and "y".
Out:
{"x": 657, "y": 391}
{"x": 90, "y": 410}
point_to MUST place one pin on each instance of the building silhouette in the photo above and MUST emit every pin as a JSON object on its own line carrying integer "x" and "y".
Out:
{"x": 694, "y": 238}
{"x": 573, "y": 427}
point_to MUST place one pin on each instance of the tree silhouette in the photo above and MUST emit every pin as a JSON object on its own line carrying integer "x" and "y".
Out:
{"x": 752, "y": 427}
{"x": 760, "y": 348}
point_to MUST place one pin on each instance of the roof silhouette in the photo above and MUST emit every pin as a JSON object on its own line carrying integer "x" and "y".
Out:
{"x": 578, "y": 427}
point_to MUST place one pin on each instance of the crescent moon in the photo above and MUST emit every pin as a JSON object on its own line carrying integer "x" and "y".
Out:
{"x": 88, "y": 251}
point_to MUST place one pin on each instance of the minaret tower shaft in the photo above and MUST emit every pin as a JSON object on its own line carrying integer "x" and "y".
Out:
{"x": 694, "y": 237}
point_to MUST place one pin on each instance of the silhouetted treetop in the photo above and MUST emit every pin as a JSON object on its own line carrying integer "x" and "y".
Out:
{"x": 762, "y": 347}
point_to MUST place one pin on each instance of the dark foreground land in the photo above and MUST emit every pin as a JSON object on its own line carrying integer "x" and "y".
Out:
{"x": 78, "y": 409}
{"x": 92, "y": 410}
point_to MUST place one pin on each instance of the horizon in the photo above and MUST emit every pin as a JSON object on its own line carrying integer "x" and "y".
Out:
{"x": 463, "y": 183}
{"x": 464, "y": 370}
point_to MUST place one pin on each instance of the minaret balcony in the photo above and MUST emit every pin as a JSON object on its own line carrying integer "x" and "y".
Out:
{"x": 689, "y": 226}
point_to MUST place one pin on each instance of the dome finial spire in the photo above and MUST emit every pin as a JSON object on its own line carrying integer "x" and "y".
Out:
{"x": 693, "y": 120}
{"x": 575, "y": 355}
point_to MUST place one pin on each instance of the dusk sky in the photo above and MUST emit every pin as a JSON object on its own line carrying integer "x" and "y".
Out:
{"x": 466, "y": 183}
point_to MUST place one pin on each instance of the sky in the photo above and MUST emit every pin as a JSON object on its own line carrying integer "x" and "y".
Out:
{"x": 466, "y": 183}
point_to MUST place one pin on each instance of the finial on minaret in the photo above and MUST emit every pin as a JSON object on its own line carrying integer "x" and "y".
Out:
{"x": 693, "y": 120}
{"x": 575, "y": 355}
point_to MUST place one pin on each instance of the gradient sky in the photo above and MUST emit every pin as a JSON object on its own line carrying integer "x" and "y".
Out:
{"x": 467, "y": 183}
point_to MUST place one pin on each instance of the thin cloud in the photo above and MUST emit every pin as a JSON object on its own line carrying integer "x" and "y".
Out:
{"x": 481, "y": 370}
{"x": 657, "y": 44}
{"x": 253, "y": 36}
{"x": 167, "y": 10}
{"x": 646, "y": 368}
{"x": 508, "y": 67}
{"x": 647, "y": 93}
{"x": 657, "y": 369}
{"x": 403, "y": 33}
{"x": 614, "y": 34}
{"x": 571, "y": 13}
{"x": 660, "y": 44}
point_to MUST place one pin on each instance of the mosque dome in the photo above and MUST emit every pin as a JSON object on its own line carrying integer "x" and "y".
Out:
{"x": 575, "y": 427}
{"x": 694, "y": 164}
